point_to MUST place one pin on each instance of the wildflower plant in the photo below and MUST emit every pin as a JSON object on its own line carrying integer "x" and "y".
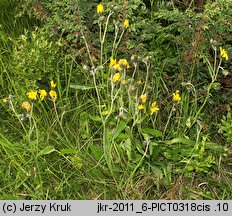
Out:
{"x": 213, "y": 69}
{"x": 124, "y": 101}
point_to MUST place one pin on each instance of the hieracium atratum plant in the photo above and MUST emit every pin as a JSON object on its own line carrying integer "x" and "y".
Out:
{"x": 122, "y": 84}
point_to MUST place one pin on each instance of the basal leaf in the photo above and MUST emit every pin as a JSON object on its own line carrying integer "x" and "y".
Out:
{"x": 153, "y": 132}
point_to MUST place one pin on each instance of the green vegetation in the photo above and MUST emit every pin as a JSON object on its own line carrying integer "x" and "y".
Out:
{"x": 121, "y": 100}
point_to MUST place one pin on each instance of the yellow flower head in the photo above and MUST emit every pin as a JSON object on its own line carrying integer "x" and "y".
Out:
{"x": 139, "y": 82}
{"x": 42, "y": 93}
{"x": 112, "y": 62}
{"x": 223, "y": 53}
{"x": 141, "y": 107}
{"x": 143, "y": 98}
{"x": 117, "y": 67}
{"x": 100, "y": 8}
{"x": 5, "y": 100}
{"x": 116, "y": 77}
{"x": 32, "y": 95}
{"x": 124, "y": 82}
{"x": 27, "y": 106}
{"x": 53, "y": 85}
{"x": 124, "y": 63}
{"x": 154, "y": 108}
{"x": 126, "y": 23}
{"x": 176, "y": 96}
{"x": 53, "y": 95}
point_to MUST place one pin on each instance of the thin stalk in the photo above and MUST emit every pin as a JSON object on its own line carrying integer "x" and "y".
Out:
{"x": 30, "y": 121}
{"x": 147, "y": 75}
{"x": 215, "y": 60}
{"x": 14, "y": 111}
{"x": 119, "y": 40}
{"x": 169, "y": 117}
{"x": 87, "y": 47}
{"x": 115, "y": 39}
{"x": 216, "y": 73}
{"x": 98, "y": 96}
{"x": 100, "y": 37}
{"x": 129, "y": 88}
{"x": 140, "y": 162}
{"x": 104, "y": 35}
{"x": 214, "y": 78}
{"x": 113, "y": 97}
{"x": 57, "y": 116}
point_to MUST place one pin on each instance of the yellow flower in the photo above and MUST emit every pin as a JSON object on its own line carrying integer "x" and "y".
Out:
{"x": 112, "y": 62}
{"x": 53, "y": 95}
{"x": 32, "y": 95}
{"x": 100, "y": 8}
{"x": 116, "y": 77}
{"x": 124, "y": 63}
{"x": 117, "y": 67}
{"x": 139, "y": 82}
{"x": 176, "y": 96}
{"x": 53, "y": 85}
{"x": 141, "y": 107}
{"x": 27, "y": 106}
{"x": 126, "y": 23}
{"x": 143, "y": 98}
{"x": 154, "y": 108}
{"x": 5, "y": 100}
{"x": 223, "y": 53}
{"x": 124, "y": 82}
{"x": 42, "y": 93}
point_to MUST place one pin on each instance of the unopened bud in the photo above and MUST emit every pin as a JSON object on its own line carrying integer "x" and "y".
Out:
{"x": 101, "y": 19}
{"x": 100, "y": 68}
{"x": 134, "y": 58}
{"x": 85, "y": 67}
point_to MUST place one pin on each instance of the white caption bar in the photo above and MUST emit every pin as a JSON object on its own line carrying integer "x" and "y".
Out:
{"x": 115, "y": 207}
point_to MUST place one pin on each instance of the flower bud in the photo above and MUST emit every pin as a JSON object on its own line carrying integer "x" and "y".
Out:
{"x": 101, "y": 19}
{"x": 100, "y": 68}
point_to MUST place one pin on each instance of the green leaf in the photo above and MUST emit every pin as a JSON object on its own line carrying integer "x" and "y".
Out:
{"x": 181, "y": 140}
{"x": 47, "y": 150}
{"x": 121, "y": 126}
{"x": 77, "y": 161}
{"x": 82, "y": 86}
{"x": 123, "y": 136}
{"x": 153, "y": 132}
{"x": 107, "y": 148}
{"x": 67, "y": 151}
{"x": 95, "y": 118}
{"x": 152, "y": 146}
{"x": 139, "y": 147}
{"x": 126, "y": 145}
{"x": 97, "y": 152}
